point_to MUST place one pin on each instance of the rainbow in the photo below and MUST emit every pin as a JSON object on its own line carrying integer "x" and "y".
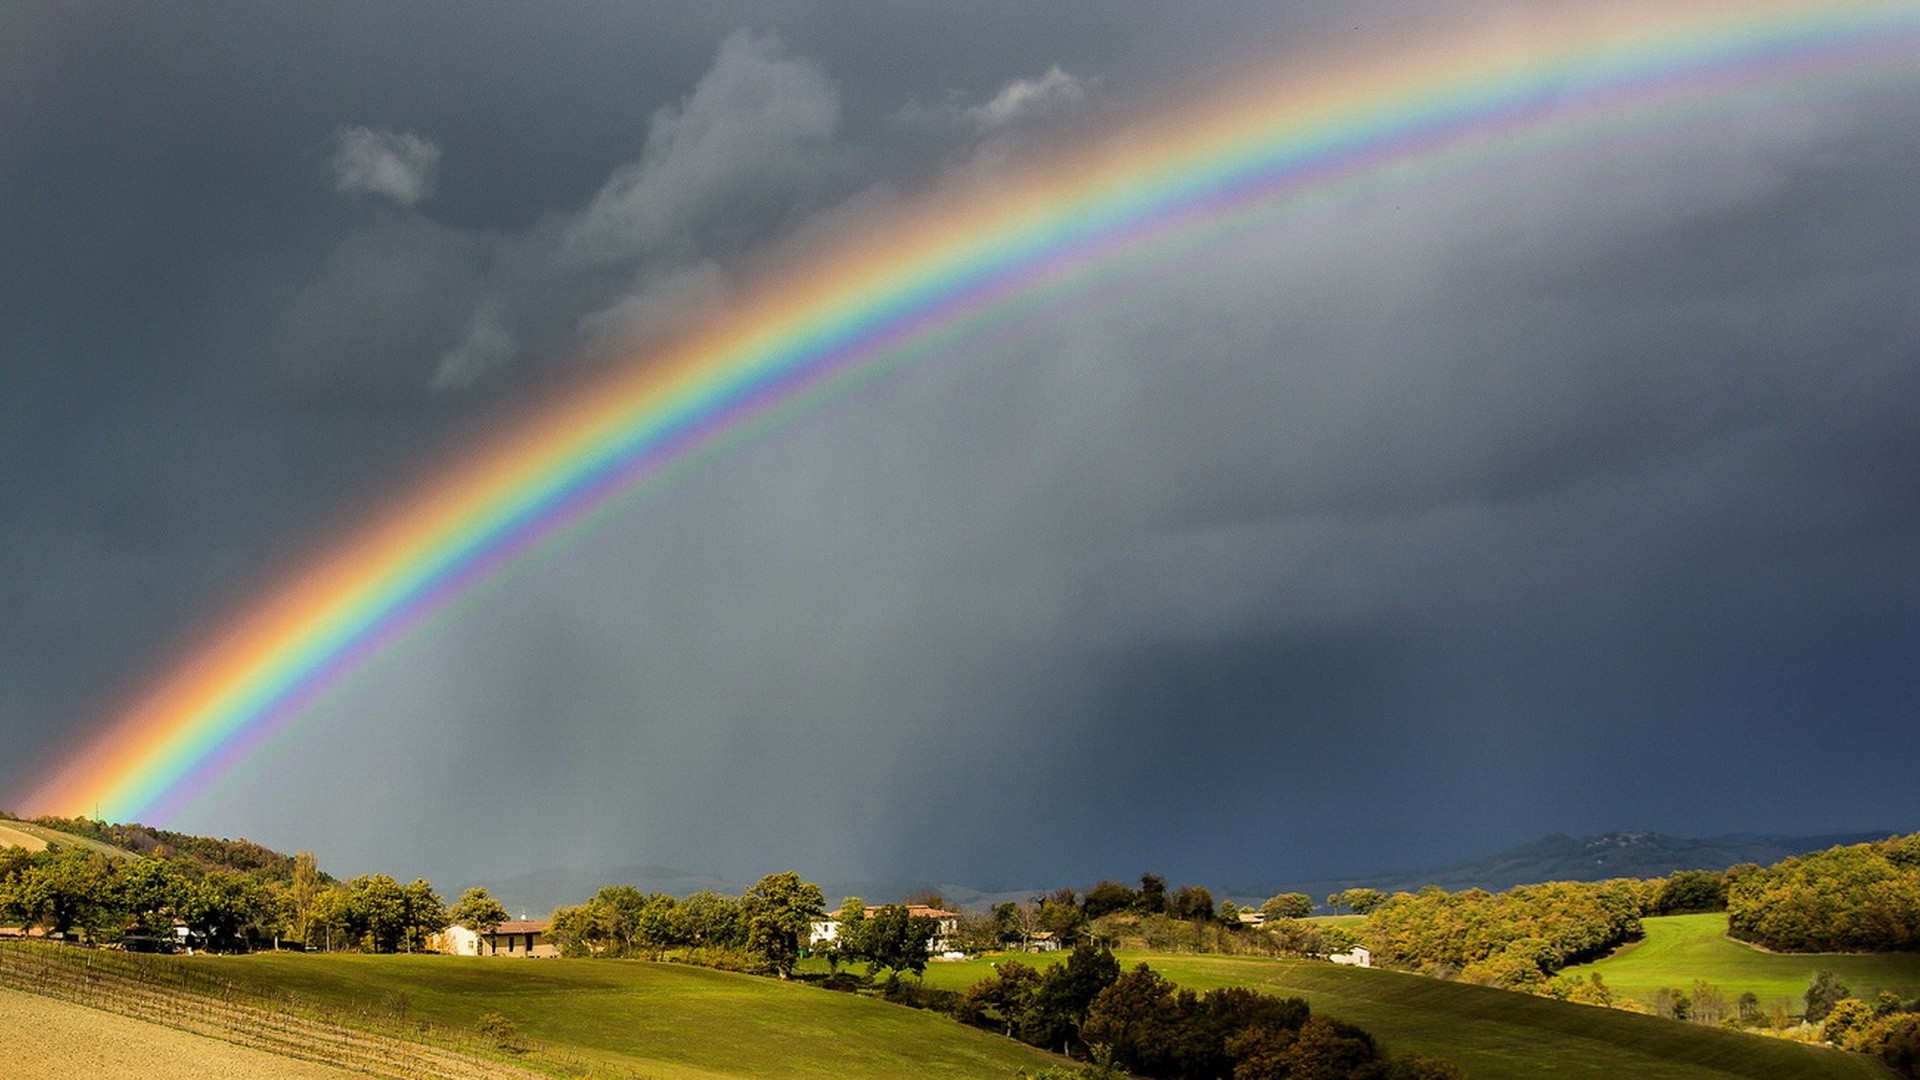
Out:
{"x": 885, "y": 290}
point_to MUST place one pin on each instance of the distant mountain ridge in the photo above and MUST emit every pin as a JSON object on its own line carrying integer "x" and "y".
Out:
{"x": 1551, "y": 858}
{"x": 1560, "y": 857}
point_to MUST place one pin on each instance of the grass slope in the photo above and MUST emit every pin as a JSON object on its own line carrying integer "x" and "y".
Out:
{"x": 25, "y": 834}
{"x": 660, "y": 1020}
{"x": 1492, "y": 1034}
{"x": 1681, "y": 948}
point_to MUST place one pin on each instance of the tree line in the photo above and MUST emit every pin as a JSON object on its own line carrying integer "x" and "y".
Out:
{"x": 75, "y": 893}
{"x": 1141, "y": 1024}
{"x": 1854, "y": 898}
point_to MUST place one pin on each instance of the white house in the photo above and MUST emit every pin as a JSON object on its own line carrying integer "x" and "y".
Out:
{"x": 517, "y": 937}
{"x": 1358, "y": 956}
{"x": 827, "y": 930}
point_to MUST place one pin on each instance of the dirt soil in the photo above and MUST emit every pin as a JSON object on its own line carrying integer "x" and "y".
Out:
{"x": 45, "y": 1039}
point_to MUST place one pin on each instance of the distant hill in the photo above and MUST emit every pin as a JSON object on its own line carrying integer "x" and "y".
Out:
{"x": 1552, "y": 858}
{"x": 536, "y": 894}
{"x": 36, "y": 837}
{"x": 131, "y": 839}
{"x": 1580, "y": 858}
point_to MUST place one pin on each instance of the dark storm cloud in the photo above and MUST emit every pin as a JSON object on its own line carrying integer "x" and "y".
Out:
{"x": 1566, "y": 497}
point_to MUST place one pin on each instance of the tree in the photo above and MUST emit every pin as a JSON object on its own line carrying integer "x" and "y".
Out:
{"x": 303, "y": 893}
{"x": 377, "y": 913}
{"x": 1192, "y": 902}
{"x": 1359, "y": 901}
{"x": 779, "y": 912}
{"x": 1687, "y": 891}
{"x": 849, "y": 944}
{"x": 1823, "y": 992}
{"x": 1000, "y": 1001}
{"x": 1153, "y": 894}
{"x": 224, "y": 905}
{"x": 424, "y": 913}
{"x": 1107, "y": 897}
{"x": 65, "y": 889}
{"x": 1290, "y": 905}
{"x": 899, "y": 941}
{"x": 1847, "y": 1017}
{"x": 1065, "y": 921}
{"x": 478, "y": 911}
{"x": 152, "y": 891}
{"x": 709, "y": 920}
{"x": 1709, "y": 1004}
{"x": 1065, "y": 994}
{"x": 1137, "y": 1020}
{"x": 583, "y": 930}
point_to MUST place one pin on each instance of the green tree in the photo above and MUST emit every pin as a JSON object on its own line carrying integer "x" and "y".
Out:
{"x": 898, "y": 941}
{"x": 478, "y": 911}
{"x": 425, "y": 913}
{"x": 1063, "y": 919}
{"x": 1192, "y": 902}
{"x": 1290, "y": 905}
{"x": 65, "y": 889}
{"x": 224, "y": 905}
{"x": 1153, "y": 894}
{"x": 1360, "y": 901}
{"x": 1848, "y": 1017}
{"x": 152, "y": 891}
{"x": 1066, "y": 992}
{"x": 849, "y": 944}
{"x": 1137, "y": 1020}
{"x": 1107, "y": 897}
{"x": 1823, "y": 992}
{"x": 302, "y": 894}
{"x": 779, "y": 912}
{"x": 1687, "y": 891}
{"x": 376, "y": 913}
{"x": 583, "y": 930}
{"x": 709, "y": 920}
{"x": 1000, "y": 1002}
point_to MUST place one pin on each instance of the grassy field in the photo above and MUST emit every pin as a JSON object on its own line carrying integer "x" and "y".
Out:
{"x": 1492, "y": 1034}
{"x": 654, "y": 1020}
{"x": 1681, "y": 948}
{"x": 25, "y": 834}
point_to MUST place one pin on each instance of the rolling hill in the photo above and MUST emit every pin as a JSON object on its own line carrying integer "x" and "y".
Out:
{"x": 1577, "y": 858}
{"x": 1678, "y": 949}
{"x": 33, "y": 837}
{"x": 1494, "y": 1034}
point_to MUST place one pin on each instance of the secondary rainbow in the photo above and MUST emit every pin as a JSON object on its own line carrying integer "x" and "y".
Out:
{"x": 882, "y": 292}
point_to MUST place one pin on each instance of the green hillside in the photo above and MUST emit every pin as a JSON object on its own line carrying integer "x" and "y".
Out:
{"x": 1681, "y": 948}
{"x": 26, "y": 834}
{"x": 660, "y": 1020}
{"x": 1493, "y": 1034}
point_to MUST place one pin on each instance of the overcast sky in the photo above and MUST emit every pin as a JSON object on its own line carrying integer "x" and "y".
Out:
{"x": 1579, "y": 496}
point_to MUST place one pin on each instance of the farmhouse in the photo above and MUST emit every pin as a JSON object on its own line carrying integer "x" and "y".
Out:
{"x": 518, "y": 937}
{"x": 827, "y": 930}
{"x": 1358, "y": 956}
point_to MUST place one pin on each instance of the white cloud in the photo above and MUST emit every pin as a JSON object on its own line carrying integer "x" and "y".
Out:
{"x": 486, "y": 347}
{"x": 1054, "y": 92}
{"x": 398, "y": 165}
{"x": 758, "y": 128}
{"x": 658, "y": 302}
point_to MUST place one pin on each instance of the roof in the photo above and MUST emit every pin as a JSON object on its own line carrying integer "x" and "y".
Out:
{"x": 912, "y": 909}
{"x": 524, "y": 926}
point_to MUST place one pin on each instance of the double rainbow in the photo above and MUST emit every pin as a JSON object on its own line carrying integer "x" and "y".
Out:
{"x": 900, "y": 282}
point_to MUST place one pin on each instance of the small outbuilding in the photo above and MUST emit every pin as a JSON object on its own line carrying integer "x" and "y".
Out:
{"x": 516, "y": 937}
